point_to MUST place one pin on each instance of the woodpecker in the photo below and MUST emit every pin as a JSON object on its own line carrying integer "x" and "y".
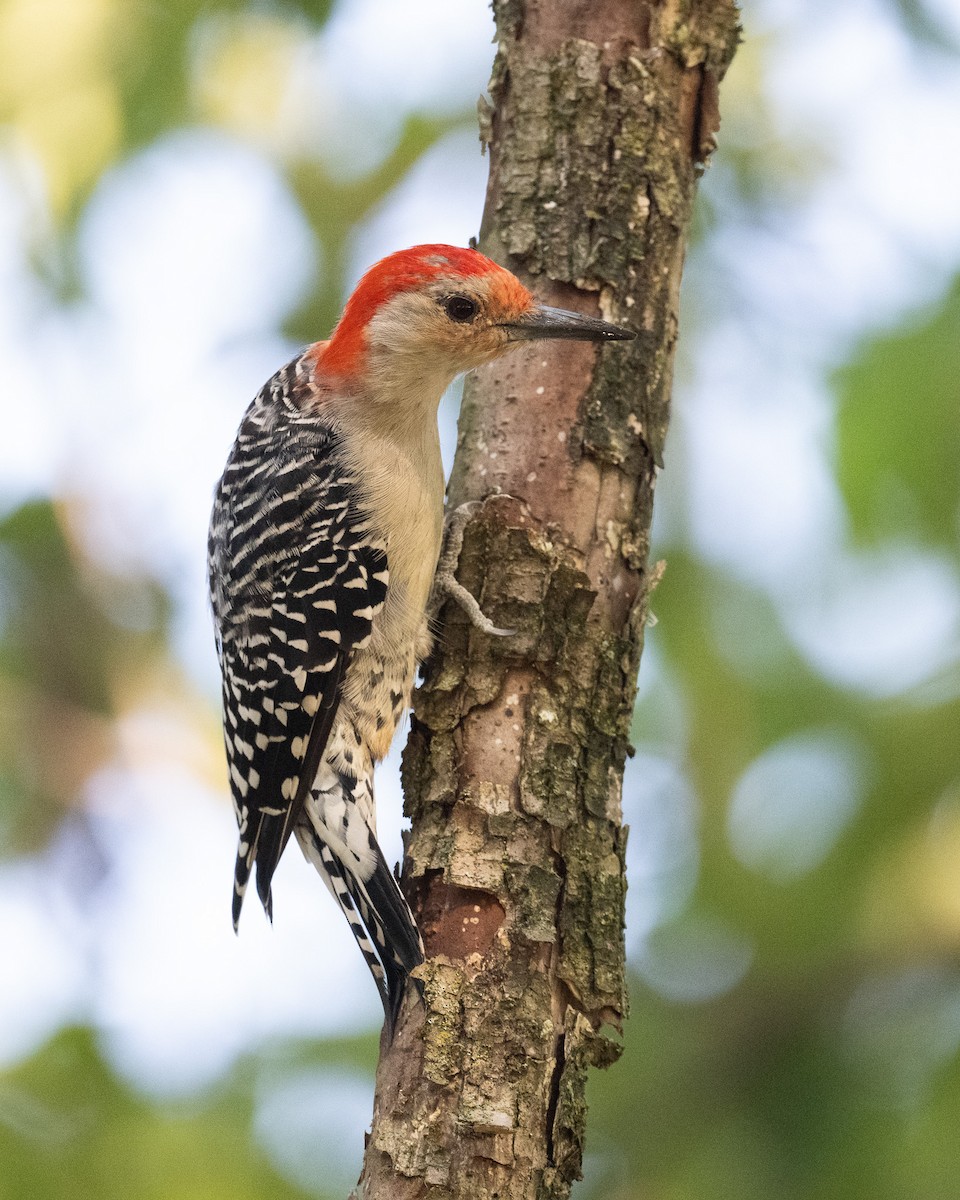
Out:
{"x": 326, "y": 530}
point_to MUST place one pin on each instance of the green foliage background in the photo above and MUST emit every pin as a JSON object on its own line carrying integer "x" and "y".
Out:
{"x": 828, "y": 1065}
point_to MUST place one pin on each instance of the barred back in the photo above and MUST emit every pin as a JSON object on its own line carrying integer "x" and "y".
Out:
{"x": 296, "y": 579}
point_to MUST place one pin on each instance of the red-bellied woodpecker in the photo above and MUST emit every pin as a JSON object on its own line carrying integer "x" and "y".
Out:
{"x": 325, "y": 535}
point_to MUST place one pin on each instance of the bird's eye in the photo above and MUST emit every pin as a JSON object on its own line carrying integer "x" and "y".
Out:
{"x": 459, "y": 308}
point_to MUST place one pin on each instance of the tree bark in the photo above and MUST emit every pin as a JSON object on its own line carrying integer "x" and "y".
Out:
{"x": 603, "y": 114}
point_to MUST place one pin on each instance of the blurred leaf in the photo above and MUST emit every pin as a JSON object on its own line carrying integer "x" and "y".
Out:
{"x": 57, "y": 633}
{"x": 898, "y": 432}
{"x": 86, "y": 83}
{"x": 776, "y": 1086}
{"x": 67, "y": 635}
{"x": 358, "y": 1052}
{"x": 921, "y": 22}
{"x": 70, "y": 1130}
{"x": 753, "y": 1095}
{"x": 336, "y": 207}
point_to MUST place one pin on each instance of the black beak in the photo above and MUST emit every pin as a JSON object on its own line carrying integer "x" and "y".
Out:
{"x": 546, "y": 322}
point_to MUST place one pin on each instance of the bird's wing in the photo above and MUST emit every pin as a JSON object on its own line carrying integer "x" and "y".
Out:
{"x": 299, "y": 583}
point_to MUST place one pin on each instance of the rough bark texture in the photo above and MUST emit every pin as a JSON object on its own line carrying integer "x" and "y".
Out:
{"x": 603, "y": 112}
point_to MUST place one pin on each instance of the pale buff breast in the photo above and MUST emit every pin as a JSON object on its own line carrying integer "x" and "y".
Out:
{"x": 402, "y": 491}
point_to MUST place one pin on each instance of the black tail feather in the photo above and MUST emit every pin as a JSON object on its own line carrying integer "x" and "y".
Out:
{"x": 394, "y": 933}
{"x": 269, "y": 849}
{"x": 400, "y": 935}
{"x": 263, "y": 851}
{"x": 380, "y": 920}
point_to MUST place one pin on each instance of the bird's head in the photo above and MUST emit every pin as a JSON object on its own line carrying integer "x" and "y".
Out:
{"x": 422, "y": 316}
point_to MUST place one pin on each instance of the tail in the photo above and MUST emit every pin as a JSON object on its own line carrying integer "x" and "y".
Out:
{"x": 378, "y": 915}
{"x": 262, "y": 846}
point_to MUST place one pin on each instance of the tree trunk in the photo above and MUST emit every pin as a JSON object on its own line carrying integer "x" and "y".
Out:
{"x": 603, "y": 113}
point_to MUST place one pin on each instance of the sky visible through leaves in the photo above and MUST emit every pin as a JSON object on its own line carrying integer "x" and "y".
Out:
{"x": 187, "y": 192}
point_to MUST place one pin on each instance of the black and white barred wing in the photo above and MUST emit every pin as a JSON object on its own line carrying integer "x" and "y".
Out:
{"x": 296, "y": 583}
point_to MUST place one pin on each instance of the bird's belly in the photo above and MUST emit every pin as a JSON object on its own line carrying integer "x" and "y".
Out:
{"x": 380, "y": 679}
{"x": 401, "y": 492}
{"x": 378, "y": 690}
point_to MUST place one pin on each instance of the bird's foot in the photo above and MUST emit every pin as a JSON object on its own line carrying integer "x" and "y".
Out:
{"x": 446, "y": 586}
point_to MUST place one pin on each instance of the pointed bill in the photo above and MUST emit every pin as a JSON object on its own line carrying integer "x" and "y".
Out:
{"x": 546, "y": 322}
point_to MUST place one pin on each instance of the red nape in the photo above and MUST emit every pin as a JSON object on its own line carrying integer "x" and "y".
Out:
{"x": 403, "y": 271}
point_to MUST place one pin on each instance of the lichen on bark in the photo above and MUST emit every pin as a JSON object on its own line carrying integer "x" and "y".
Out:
{"x": 601, "y": 116}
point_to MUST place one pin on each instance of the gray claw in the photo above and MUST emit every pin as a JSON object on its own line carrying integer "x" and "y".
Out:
{"x": 445, "y": 583}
